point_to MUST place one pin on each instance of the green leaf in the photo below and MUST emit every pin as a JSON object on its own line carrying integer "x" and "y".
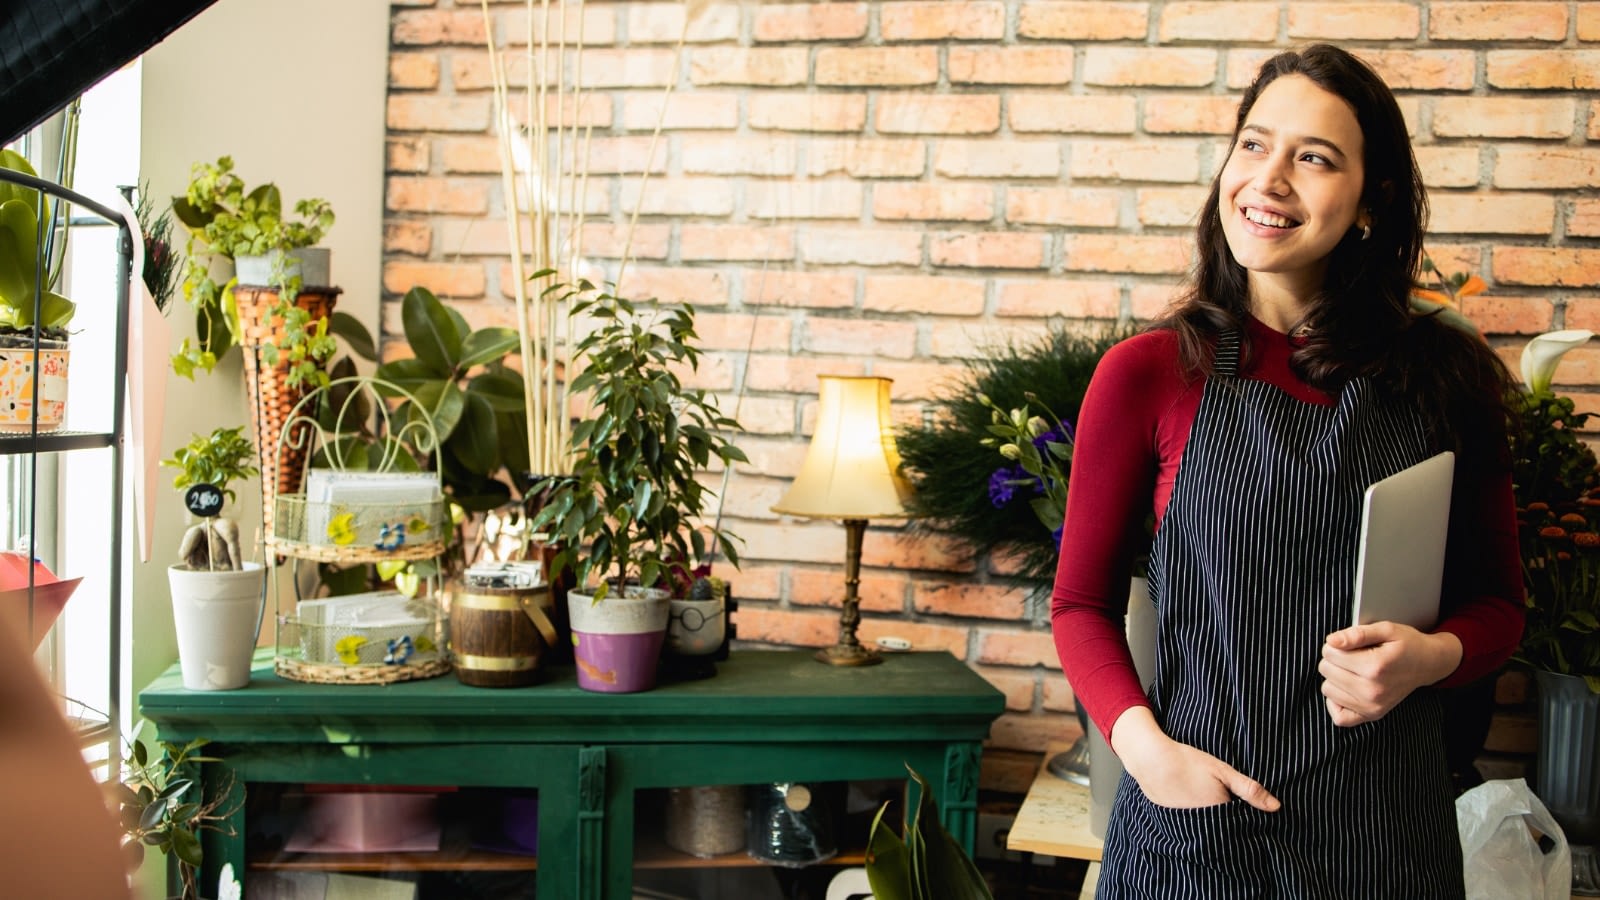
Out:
{"x": 353, "y": 333}
{"x": 433, "y": 333}
{"x": 186, "y": 846}
{"x": 411, "y": 374}
{"x": 442, "y": 402}
{"x": 887, "y": 861}
{"x": 501, "y": 390}
{"x": 476, "y": 439}
{"x": 485, "y": 346}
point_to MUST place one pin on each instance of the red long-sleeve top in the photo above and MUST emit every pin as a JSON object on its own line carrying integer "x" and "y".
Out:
{"x": 1131, "y": 433}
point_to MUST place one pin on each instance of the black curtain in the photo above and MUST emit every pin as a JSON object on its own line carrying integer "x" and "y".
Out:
{"x": 53, "y": 50}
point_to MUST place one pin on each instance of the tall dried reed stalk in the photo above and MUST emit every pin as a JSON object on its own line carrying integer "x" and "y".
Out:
{"x": 553, "y": 160}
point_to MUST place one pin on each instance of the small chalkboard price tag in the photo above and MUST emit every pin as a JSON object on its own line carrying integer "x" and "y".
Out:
{"x": 204, "y": 500}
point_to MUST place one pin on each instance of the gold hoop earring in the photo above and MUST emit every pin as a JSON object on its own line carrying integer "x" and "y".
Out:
{"x": 1366, "y": 232}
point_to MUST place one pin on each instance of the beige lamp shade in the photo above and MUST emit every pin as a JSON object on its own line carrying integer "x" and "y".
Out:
{"x": 852, "y": 470}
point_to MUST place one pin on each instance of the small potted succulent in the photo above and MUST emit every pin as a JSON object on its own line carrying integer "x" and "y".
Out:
{"x": 216, "y": 595}
{"x": 27, "y": 274}
{"x": 624, "y": 517}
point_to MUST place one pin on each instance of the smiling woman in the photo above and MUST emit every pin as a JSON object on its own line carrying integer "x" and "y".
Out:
{"x": 1276, "y": 741}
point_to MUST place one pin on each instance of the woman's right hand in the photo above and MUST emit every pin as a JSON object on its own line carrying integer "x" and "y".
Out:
{"x": 1176, "y": 775}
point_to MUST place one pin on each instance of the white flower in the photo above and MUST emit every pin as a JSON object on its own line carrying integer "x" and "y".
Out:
{"x": 1543, "y": 354}
{"x": 228, "y": 888}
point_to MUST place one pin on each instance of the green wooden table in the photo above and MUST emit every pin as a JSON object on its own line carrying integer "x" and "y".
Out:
{"x": 766, "y": 717}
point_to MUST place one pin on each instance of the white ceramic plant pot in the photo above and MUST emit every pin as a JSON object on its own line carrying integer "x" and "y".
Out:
{"x": 696, "y": 627}
{"x": 314, "y": 265}
{"x": 218, "y": 619}
{"x": 616, "y": 643}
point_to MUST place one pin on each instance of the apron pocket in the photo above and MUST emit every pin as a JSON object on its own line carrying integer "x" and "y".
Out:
{"x": 1203, "y": 835}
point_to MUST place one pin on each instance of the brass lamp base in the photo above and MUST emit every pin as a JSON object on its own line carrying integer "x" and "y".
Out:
{"x": 845, "y": 655}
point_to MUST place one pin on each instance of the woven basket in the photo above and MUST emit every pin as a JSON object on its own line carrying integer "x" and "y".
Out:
{"x": 283, "y": 457}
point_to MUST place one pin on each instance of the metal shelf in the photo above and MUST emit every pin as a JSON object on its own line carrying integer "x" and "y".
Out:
{"x": 53, "y": 442}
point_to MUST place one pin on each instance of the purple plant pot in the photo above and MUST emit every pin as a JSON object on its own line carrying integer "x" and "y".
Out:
{"x": 617, "y": 663}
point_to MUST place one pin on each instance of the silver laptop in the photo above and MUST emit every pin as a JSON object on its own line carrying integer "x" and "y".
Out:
{"x": 1404, "y": 523}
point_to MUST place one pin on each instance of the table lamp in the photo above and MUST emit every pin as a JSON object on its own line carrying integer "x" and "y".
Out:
{"x": 851, "y": 472}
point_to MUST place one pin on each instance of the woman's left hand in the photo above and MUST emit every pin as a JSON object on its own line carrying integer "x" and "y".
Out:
{"x": 1368, "y": 669}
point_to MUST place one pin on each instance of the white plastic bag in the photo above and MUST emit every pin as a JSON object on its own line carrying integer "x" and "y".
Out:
{"x": 1503, "y": 860}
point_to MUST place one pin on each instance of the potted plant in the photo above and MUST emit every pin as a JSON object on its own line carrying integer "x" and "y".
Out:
{"x": 624, "y": 517}
{"x": 160, "y": 804}
{"x": 217, "y": 597}
{"x": 1556, "y": 479}
{"x": 27, "y": 274}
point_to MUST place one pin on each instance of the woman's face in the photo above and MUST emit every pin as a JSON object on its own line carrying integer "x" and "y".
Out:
{"x": 1291, "y": 188}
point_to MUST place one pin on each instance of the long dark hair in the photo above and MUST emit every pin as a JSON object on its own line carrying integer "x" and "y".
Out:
{"x": 1361, "y": 322}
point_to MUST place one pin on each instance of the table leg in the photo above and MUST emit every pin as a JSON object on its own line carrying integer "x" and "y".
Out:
{"x": 960, "y": 807}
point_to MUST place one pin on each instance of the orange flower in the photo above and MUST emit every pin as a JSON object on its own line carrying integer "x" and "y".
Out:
{"x": 1573, "y": 519}
{"x": 1563, "y": 555}
{"x": 1538, "y": 506}
{"x": 1554, "y": 532}
{"x": 1586, "y": 539}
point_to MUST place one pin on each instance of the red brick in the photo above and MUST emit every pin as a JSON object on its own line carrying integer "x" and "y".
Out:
{"x": 906, "y": 550}
{"x": 877, "y": 66}
{"x": 734, "y": 242}
{"x": 1510, "y": 315}
{"x": 1452, "y": 258}
{"x": 939, "y": 296}
{"x": 423, "y": 28}
{"x": 737, "y": 156}
{"x": 983, "y": 159}
{"x": 989, "y": 250}
{"x": 987, "y": 601}
{"x": 679, "y": 197}
{"x": 922, "y": 21}
{"x": 620, "y": 156}
{"x": 1008, "y": 771}
{"x": 1168, "y": 161}
{"x": 1243, "y": 63}
{"x": 1071, "y": 298}
{"x": 1491, "y": 213}
{"x": 1219, "y": 23}
{"x": 1058, "y": 113}
{"x": 407, "y": 236}
{"x": 1448, "y": 166}
{"x": 957, "y": 339}
{"x": 407, "y": 112}
{"x": 798, "y": 375}
{"x": 1189, "y": 114}
{"x": 664, "y": 23}
{"x": 1145, "y": 254}
{"x": 815, "y": 22}
{"x": 938, "y": 114}
{"x": 761, "y": 334}
{"x": 1589, "y": 21}
{"x": 1030, "y": 732}
{"x": 1080, "y": 207}
{"x": 631, "y": 67}
{"x": 700, "y": 111}
{"x": 1019, "y": 686}
{"x": 859, "y": 337}
{"x": 1562, "y": 70}
{"x": 809, "y": 112}
{"x": 1557, "y": 266}
{"x": 1547, "y": 168}
{"x": 676, "y": 284}
{"x": 1146, "y": 66}
{"x": 1424, "y": 70}
{"x": 444, "y": 279}
{"x": 1511, "y": 117}
{"x": 1584, "y": 220}
{"x": 1171, "y": 207}
{"x": 863, "y": 247}
{"x": 406, "y": 155}
{"x": 765, "y": 415}
{"x": 413, "y": 71}
{"x": 923, "y": 636}
{"x": 597, "y": 26}
{"x": 769, "y": 66}
{"x": 865, "y": 158}
{"x": 613, "y": 240}
{"x": 715, "y": 373}
{"x": 1057, "y": 694}
{"x": 476, "y": 155}
{"x": 473, "y": 71}
{"x": 1593, "y": 131}
{"x": 1009, "y": 65}
{"x": 1583, "y": 312}
{"x": 942, "y": 201}
{"x": 918, "y": 380}
{"x": 437, "y": 195}
{"x": 1497, "y": 21}
{"x": 1088, "y": 20}
{"x": 880, "y": 593}
{"x": 1355, "y": 21}
{"x": 827, "y": 199}
{"x": 784, "y": 628}
{"x": 754, "y": 581}
{"x": 813, "y": 290}
{"x": 1017, "y": 648}
{"x": 1150, "y": 301}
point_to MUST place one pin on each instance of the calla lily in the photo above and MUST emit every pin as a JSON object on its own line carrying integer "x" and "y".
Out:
{"x": 1543, "y": 354}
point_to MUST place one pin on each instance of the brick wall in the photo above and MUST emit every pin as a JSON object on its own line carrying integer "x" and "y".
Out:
{"x": 881, "y": 187}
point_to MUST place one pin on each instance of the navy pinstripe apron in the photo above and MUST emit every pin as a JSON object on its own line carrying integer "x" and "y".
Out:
{"x": 1252, "y": 568}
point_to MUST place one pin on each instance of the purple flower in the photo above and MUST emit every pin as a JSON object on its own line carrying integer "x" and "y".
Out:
{"x": 1001, "y": 488}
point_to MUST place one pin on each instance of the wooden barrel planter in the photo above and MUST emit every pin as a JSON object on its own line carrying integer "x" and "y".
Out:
{"x": 498, "y": 636}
